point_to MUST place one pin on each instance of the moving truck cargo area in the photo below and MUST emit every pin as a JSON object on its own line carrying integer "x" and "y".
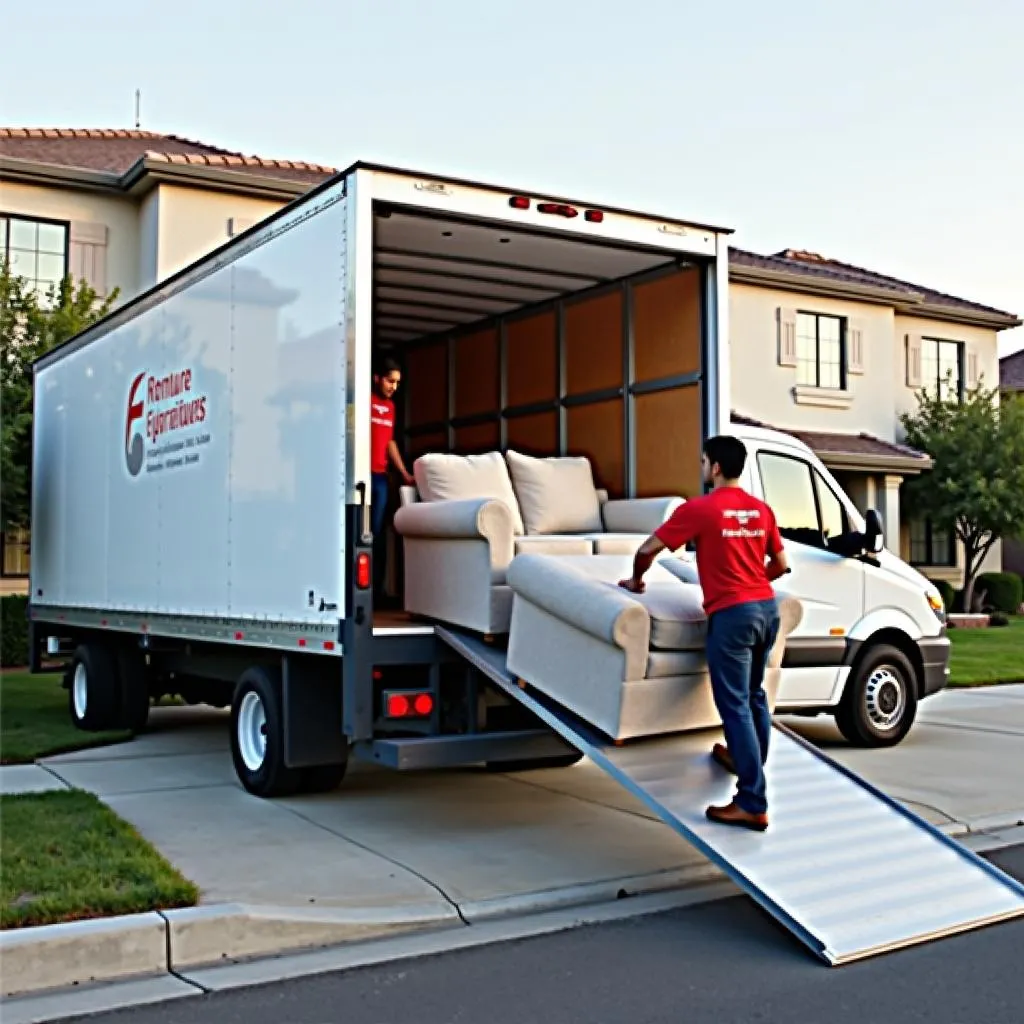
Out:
{"x": 201, "y": 524}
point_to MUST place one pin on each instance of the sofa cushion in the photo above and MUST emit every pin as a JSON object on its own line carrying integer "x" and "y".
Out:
{"x": 553, "y": 544}
{"x": 616, "y": 543}
{"x": 678, "y": 622}
{"x": 664, "y": 664}
{"x": 441, "y": 477}
{"x": 557, "y": 495}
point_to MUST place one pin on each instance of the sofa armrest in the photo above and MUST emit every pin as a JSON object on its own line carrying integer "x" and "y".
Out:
{"x": 484, "y": 519}
{"x": 599, "y": 609}
{"x": 637, "y": 515}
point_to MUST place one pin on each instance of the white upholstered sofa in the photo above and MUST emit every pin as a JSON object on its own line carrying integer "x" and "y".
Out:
{"x": 469, "y": 516}
{"x": 630, "y": 664}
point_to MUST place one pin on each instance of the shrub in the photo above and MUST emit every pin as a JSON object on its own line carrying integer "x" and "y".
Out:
{"x": 1004, "y": 591}
{"x": 999, "y": 619}
{"x": 946, "y": 590}
{"x": 13, "y": 631}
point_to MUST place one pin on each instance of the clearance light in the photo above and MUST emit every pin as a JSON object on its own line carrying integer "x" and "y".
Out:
{"x": 594, "y": 216}
{"x": 363, "y": 571}
{"x": 558, "y": 209}
{"x": 519, "y": 203}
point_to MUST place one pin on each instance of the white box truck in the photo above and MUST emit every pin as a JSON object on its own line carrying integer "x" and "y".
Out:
{"x": 201, "y": 470}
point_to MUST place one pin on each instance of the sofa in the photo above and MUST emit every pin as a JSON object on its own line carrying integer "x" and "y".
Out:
{"x": 469, "y": 515}
{"x": 631, "y": 665}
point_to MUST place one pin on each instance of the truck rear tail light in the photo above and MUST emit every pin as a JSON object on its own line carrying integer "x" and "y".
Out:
{"x": 363, "y": 571}
{"x": 558, "y": 209}
{"x": 408, "y": 704}
{"x": 594, "y": 216}
{"x": 519, "y": 203}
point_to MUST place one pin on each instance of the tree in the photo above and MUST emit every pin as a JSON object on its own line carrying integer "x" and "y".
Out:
{"x": 976, "y": 486}
{"x": 29, "y": 328}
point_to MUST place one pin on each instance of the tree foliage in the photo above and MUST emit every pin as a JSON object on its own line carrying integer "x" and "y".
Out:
{"x": 29, "y": 328}
{"x": 976, "y": 486}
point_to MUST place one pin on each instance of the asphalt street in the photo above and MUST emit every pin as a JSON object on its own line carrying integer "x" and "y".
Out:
{"x": 715, "y": 963}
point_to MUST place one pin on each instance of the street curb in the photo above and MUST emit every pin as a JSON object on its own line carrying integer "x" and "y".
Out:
{"x": 61, "y": 955}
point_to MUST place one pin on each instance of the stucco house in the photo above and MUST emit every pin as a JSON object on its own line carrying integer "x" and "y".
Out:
{"x": 828, "y": 351}
{"x": 1011, "y": 382}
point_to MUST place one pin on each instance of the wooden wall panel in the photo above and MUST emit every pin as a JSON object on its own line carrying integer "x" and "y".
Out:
{"x": 593, "y": 344}
{"x": 666, "y": 325}
{"x": 480, "y": 437}
{"x": 426, "y": 378}
{"x": 597, "y": 432}
{"x": 534, "y": 435}
{"x": 423, "y": 444}
{"x": 477, "y": 368}
{"x": 668, "y": 443}
{"x": 531, "y": 359}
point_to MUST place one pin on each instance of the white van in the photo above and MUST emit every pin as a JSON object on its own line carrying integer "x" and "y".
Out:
{"x": 873, "y": 639}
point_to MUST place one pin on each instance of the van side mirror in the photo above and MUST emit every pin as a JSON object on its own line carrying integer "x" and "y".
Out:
{"x": 873, "y": 533}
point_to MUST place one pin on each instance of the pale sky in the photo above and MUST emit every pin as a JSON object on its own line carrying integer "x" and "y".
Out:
{"x": 887, "y": 135}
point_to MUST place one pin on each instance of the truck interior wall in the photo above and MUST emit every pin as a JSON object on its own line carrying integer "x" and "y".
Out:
{"x": 564, "y": 379}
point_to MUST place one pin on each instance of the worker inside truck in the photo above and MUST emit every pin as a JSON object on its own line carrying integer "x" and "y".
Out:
{"x": 384, "y": 454}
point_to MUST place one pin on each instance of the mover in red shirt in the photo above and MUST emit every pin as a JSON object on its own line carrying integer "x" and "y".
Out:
{"x": 739, "y": 554}
{"x": 383, "y": 453}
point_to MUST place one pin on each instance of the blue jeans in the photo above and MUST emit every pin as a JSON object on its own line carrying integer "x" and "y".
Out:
{"x": 739, "y": 641}
{"x": 378, "y": 517}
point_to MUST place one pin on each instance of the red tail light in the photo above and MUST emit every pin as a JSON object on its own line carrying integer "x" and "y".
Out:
{"x": 594, "y": 216}
{"x": 559, "y": 209}
{"x": 519, "y": 203}
{"x": 408, "y": 705}
{"x": 363, "y": 571}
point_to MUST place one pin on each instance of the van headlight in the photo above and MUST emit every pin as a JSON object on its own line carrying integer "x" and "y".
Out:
{"x": 934, "y": 599}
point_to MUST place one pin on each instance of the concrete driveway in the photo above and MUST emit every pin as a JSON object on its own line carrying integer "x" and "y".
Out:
{"x": 479, "y": 843}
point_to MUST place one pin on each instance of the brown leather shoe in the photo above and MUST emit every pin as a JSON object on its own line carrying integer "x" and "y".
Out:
{"x": 720, "y": 753}
{"x": 733, "y": 814}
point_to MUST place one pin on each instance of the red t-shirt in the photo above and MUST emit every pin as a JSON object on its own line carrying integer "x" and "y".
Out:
{"x": 382, "y": 430}
{"x": 733, "y": 532}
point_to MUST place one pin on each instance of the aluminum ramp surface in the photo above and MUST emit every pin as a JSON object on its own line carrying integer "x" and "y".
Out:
{"x": 844, "y": 867}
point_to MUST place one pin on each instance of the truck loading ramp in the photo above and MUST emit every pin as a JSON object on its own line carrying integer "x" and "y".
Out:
{"x": 847, "y": 869}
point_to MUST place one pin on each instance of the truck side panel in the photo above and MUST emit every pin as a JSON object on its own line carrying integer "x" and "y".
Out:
{"x": 190, "y": 462}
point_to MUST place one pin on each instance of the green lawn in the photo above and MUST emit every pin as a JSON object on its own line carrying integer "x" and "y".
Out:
{"x": 993, "y": 655}
{"x": 64, "y": 856}
{"x": 34, "y": 720}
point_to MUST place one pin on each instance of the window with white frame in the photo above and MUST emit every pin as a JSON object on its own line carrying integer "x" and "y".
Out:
{"x": 819, "y": 351}
{"x": 36, "y": 250}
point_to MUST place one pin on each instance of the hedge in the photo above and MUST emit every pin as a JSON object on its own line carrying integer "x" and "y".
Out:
{"x": 13, "y": 631}
{"x": 1004, "y": 591}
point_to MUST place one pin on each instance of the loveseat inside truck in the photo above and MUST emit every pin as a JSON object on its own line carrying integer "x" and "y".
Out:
{"x": 201, "y": 455}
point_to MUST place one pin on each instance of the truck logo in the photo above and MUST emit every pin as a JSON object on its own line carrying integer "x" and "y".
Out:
{"x": 134, "y": 452}
{"x": 165, "y": 415}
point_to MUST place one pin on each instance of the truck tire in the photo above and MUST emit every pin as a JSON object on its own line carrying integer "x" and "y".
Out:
{"x": 323, "y": 778}
{"x": 257, "y": 735}
{"x": 94, "y": 690}
{"x": 135, "y": 696}
{"x": 879, "y": 703}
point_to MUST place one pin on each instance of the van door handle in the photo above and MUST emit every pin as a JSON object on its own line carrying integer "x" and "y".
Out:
{"x": 364, "y": 514}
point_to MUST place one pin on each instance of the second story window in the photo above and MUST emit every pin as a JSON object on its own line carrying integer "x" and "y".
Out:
{"x": 819, "y": 351}
{"x": 942, "y": 368}
{"x": 36, "y": 250}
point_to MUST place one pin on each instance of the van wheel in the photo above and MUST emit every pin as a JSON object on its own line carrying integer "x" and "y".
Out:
{"x": 257, "y": 735}
{"x": 879, "y": 703}
{"x": 94, "y": 691}
{"x": 536, "y": 763}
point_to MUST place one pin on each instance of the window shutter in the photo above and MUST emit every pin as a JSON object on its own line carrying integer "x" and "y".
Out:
{"x": 972, "y": 370}
{"x": 236, "y": 225}
{"x": 787, "y": 336}
{"x": 855, "y": 346}
{"x": 87, "y": 254}
{"x": 913, "y": 360}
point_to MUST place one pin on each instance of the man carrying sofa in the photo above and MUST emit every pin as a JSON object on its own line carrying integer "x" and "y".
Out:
{"x": 739, "y": 554}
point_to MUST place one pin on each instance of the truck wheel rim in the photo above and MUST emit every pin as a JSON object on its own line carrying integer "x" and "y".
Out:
{"x": 80, "y": 690}
{"x": 885, "y": 698}
{"x": 252, "y": 731}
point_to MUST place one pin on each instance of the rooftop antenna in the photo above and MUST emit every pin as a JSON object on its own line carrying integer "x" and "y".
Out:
{"x": 138, "y": 108}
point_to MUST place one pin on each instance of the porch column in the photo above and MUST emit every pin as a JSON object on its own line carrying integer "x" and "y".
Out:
{"x": 891, "y": 512}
